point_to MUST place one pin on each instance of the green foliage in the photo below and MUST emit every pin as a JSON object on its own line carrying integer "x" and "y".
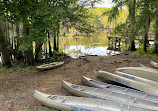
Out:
{"x": 148, "y": 54}
{"x": 57, "y": 56}
{"x": 17, "y": 69}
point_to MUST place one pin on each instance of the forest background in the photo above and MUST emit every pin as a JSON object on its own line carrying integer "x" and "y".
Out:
{"x": 26, "y": 26}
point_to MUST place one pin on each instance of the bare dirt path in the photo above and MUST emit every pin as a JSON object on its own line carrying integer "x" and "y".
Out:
{"x": 16, "y": 89}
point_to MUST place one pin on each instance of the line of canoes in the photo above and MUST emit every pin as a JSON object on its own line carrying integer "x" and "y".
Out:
{"x": 142, "y": 96}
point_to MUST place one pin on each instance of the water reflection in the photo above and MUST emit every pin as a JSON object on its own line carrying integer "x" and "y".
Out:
{"x": 80, "y": 50}
{"x": 81, "y": 46}
{"x": 86, "y": 46}
{"x": 151, "y": 42}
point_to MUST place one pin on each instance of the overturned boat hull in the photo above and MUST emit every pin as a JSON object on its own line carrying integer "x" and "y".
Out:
{"x": 143, "y": 72}
{"x": 139, "y": 79}
{"x": 70, "y": 103}
{"x": 119, "y": 89}
{"x": 50, "y": 65}
{"x": 108, "y": 96}
{"x": 128, "y": 82}
{"x": 154, "y": 64}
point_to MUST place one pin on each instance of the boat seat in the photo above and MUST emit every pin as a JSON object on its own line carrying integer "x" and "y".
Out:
{"x": 124, "y": 90}
{"x": 61, "y": 100}
{"x": 81, "y": 89}
{"x": 109, "y": 94}
{"x": 79, "y": 101}
{"x": 145, "y": 95}
{"x": 77, "y": 87}
{"x": 133, "y": 100}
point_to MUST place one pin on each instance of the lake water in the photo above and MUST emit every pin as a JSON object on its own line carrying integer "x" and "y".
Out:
{"x": 82, "y": 46}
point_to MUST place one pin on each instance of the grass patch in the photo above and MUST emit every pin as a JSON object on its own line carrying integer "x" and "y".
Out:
{"x": 17, "y": 69}
{"x": 148, "y": 55}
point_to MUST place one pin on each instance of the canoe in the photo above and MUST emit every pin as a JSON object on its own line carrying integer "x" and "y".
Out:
{"x": 119, "y": 89}
{"x": 50, "y": 65}
{"x": 106, "y": 95}
{"x": 143, "y": 72}
{"x": 71, "y": 103}
{"x": 139, "y": 79}
{"x": 141, "y": 65}
{"x": 154, "y": 64}
{"x": 129, "y": 82}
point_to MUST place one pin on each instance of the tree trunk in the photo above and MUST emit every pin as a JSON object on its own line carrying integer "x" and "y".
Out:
{"x": 55, "y": 44}
{"x": 57, "y": 40}
{"x": 37, "y": 51}
{"x": 18, "y": 54}
{"x": 50, "y": 48}
{"x": 146, "y": 29}
{"x": 18, "y": 35}
{"x": 8, "y": 38}
{"x": 28, "y": 55}
{"x": 132, "y": 24}
{"x": 29, "y": 59}
{"x": 155, "y": 51}
{"x": 46, "y": 50}
{"x": 67, "y": 28}
{"x": 5, "y": 55}
{"x": 13, "y": 44}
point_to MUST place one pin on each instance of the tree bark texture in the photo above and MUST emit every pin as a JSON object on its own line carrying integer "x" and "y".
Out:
{"x": 155, "y": 51}
{"x": 55, "y": 42}
{"x": 28, "y": 55}
{"x": 132, "y": 24}
{"x": 49, "y": 43}
{"x": 37, "y": 51}
{"x": 146, "y": 30}
{"x": 18, "y": 54}
{"x": 5, "y": 55}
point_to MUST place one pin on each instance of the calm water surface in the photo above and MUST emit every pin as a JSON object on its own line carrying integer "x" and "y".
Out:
{"x": 82, "y": 46}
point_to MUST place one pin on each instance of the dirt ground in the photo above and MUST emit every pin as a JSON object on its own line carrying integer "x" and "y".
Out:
{"x": 16, "y": 89}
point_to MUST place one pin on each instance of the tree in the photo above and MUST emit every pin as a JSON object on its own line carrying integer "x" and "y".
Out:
{"x": 132, "y": 6}
{"x": 5, "y": 55}
{"x": 3, "y": 40}
{"x": 155, "y": 51}
{"x": 155, "y": 8}
{"x": 38, "y": 18}
{"x": 114, "y": 13}
{"x": 147, "y": 13}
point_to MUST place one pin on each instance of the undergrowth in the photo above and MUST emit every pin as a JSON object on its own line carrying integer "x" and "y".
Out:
{"x": 17, "y": 69}
{"x": 57, "y": 56}
{"x": 147, "y": 54}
